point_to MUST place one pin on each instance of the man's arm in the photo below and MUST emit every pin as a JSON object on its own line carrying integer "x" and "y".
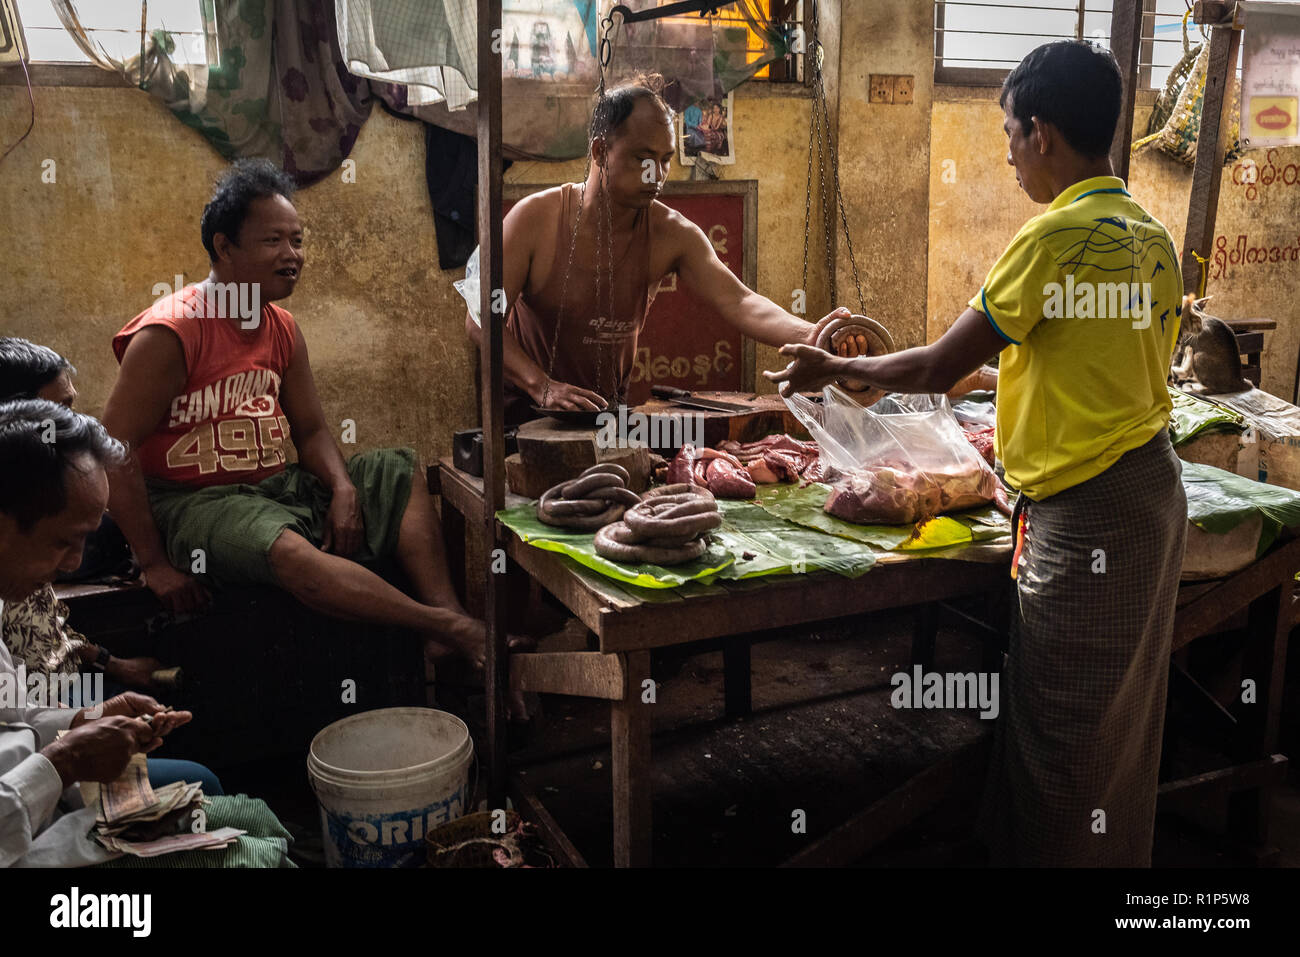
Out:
{"x": 152, "y": 373}
{"x": 968, "y": 344}
{"x": 318, "y": 453}
{"x": 31, "y": 782}
{"x": 523, "y": 224}
{"x": 705, "y": 275}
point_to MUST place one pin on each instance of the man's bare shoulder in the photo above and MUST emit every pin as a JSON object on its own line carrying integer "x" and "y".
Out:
{"x": 534, "y": 206}
{"x": 668, "y": 223}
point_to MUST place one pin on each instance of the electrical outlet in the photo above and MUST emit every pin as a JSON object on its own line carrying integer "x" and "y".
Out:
{"x": 881, "y": 89}
{"x": 903, "y": 88}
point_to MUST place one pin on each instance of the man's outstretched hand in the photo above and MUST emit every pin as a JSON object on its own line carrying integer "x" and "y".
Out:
{"x": 810, "y": 369}
{"x": 841, "y": 313}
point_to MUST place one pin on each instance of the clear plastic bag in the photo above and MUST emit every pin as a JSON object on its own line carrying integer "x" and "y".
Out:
{"x": 904, "y": 460}
{"x": 468, "y": 287}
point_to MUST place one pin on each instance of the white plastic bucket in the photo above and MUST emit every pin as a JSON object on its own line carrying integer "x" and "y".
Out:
{"x": 384, "y": 779}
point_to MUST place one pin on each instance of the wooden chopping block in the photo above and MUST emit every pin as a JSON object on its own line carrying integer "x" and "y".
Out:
{"x": 551, "y": 452}
{"x": 764, "y": 415}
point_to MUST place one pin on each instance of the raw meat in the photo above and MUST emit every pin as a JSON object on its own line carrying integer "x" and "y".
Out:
{"x": 776, "y": 458}
{"x": 982, "y": 439}
{"x": 880, "y": 495}
{"x": 720, "y": 472}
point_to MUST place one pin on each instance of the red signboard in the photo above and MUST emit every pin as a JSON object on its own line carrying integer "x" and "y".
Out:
{"x": 685, "y": 343}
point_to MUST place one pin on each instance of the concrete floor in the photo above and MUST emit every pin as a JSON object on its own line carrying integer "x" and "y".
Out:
{"x": 823, "y": 739}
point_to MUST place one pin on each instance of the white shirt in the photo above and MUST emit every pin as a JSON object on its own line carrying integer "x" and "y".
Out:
{"x": 32, "y": 832}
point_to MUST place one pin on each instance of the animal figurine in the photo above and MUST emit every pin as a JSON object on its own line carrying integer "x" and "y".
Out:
{"x": 1206, "y": 360}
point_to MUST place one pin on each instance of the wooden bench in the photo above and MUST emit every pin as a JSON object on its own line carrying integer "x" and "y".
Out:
{"x": 261, "y": 672}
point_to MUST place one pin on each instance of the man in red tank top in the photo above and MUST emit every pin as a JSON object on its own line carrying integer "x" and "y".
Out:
{"x": 215, "y": 381}
{"x": 628, "y": 235}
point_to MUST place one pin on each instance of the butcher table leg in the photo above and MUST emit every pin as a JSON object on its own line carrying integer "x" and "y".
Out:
{"x": 629, "y": 726}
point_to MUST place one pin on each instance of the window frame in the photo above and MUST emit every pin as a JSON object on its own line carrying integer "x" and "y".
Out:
{"x": 993, "y": 76}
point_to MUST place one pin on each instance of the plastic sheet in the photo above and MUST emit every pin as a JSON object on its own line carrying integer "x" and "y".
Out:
{"x": 903, "y": 460}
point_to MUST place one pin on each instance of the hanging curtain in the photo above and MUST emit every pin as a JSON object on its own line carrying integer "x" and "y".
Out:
{"x": 429, "y": 48}
{"x": 276, "y": 86}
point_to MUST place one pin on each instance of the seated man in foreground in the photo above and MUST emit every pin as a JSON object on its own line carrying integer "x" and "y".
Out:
{"x": 36, "y": 630}
{"x": 52, "y": 495}
{"x": 207, "y": 396}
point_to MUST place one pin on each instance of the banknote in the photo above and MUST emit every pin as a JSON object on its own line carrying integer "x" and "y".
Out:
{"x": 130, "y": 794}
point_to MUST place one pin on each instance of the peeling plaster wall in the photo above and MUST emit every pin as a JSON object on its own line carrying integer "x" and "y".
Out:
{"x": 977, "y": 208}
{"x": 383, "y": 324}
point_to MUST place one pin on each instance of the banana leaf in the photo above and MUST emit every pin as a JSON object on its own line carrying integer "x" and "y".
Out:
{"x": 1219, "y": 501}
{"x": 776, "y": 546}
{"x": 1192, "y": 416}
{"x": 803, "y": 506}
{"x": 773, "y": 545}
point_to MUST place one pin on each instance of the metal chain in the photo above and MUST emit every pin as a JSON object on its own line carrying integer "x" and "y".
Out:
{"x": 844, "y": 218}
{"x": 807, "y": 200}
{"x": 819, "y": 131}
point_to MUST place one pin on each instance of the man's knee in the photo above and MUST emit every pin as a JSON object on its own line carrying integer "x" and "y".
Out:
{"x": 296, "y": 563}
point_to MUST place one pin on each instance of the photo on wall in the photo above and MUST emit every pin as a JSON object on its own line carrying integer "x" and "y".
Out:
{"x": 704, "y": 129}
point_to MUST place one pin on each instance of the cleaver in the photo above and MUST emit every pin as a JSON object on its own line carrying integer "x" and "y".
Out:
{"x": 682, "y": 397}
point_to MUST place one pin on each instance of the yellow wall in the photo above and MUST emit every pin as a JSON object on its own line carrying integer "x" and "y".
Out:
{"x": 884, "y": 157}
{"x": 384, "y": 326}
{"x": 973, "y": 217}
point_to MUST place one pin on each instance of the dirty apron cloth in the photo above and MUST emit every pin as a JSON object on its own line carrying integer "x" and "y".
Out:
{"x": 1083, "y": 689}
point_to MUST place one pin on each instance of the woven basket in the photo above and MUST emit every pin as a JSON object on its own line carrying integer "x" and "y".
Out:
{"x": 1175, "y": 123}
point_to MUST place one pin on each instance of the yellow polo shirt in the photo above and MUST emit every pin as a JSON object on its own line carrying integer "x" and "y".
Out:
{"x": 1088, "y": 295}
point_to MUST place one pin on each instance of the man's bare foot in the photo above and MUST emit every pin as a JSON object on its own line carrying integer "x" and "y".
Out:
{"x": 469, "y": 636}
{"x": 435, "y": 654}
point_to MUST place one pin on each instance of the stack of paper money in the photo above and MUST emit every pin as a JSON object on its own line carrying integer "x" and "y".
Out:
{"x": 136, "y": 819}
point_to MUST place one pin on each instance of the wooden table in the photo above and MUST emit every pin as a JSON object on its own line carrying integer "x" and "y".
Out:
{"x": 629, "y": 621}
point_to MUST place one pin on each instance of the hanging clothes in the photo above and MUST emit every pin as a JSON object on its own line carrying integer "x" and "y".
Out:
{"x": 430, "y": 48}
{"x": 278, "y": 88}
{"x": 451, "y": 172}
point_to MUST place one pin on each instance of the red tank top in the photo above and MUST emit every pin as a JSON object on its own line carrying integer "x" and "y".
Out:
{"x": 226, "y": 426}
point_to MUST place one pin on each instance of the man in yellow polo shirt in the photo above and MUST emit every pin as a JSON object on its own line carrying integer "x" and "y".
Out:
{"x": 1083, "y": 308}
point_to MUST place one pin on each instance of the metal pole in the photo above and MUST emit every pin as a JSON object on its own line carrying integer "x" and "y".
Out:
{"x": 492, "y": 405}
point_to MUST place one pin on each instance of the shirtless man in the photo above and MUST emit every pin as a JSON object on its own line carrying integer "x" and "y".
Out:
{"x": 631, "y": 149}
